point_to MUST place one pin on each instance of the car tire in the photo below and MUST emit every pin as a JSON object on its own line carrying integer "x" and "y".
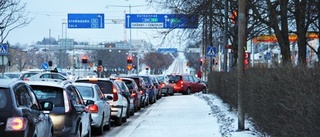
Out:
{"x": 188, "y": 91}
{"x": 118, "y": 121}
{"x": 204, "y": 91}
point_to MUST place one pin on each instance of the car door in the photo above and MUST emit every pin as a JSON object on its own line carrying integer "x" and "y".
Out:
{"x": 27, "y": 101}
{"x": 100, "y": 101}
{"x": 81, "y": 112}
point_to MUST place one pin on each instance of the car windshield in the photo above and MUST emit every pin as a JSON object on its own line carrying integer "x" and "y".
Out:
{"x": 105, "y": 86}
{"x": 85, "y": 91}
{"x": 52, "y": 94}
{"x": 174, "y": 78}
{"x": 13, "y": 75}
{"x": 145, "y": 78}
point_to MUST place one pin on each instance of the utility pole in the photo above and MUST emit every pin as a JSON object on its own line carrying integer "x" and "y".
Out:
{"x": 241, "y": 44}
{"x": 225, "y": 37}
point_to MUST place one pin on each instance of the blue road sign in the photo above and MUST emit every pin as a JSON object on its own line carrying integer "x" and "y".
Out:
{"x": 167, "y": 50}
{"x": 93, "y": 21}
{"x": 44, "y": 65}
{"x": 161, "y": 21}
{"x": 211, "y": 51}
{"x": 3, "y": 49}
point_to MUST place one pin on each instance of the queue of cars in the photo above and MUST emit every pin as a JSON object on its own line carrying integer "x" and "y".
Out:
{"x": 49, "y": 104}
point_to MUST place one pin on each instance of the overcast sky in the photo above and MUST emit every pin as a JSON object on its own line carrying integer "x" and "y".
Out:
{"x": 49, "y": 14}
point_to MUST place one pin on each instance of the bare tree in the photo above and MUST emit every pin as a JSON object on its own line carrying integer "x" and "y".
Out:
{"x": 12, "y": 16}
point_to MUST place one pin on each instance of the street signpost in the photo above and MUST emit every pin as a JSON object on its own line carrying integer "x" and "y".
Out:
{"x": 90, "y": 21}
{"x": 211, "y": 51}
{"x": 3, "y": 49}
{"x": 167, "y": 50}
{"x": 161, "y": 21}
{"x": 44, "y": 65}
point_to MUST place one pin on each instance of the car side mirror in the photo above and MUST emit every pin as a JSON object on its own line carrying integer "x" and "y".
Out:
{"x": 89, "y": 102}
{"x": 109, "y": 97}
{"x": 46, "y": 106}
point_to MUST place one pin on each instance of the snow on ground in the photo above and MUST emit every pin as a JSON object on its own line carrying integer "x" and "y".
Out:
{"x": 227, "y": 119}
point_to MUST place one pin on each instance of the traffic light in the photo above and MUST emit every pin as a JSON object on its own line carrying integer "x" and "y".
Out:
{"x": 129, "y": 59}
{"x": 246, "y": 60}
{"x": 201, "y": 61}
{"x": 99, "y": 62}
{"x": 84, "y": 60}
{"x": 50, "y": 63}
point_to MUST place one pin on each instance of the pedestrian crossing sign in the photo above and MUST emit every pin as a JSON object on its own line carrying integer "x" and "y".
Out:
{"x": 211, "y": 51}
{"x": 3, "y": 49}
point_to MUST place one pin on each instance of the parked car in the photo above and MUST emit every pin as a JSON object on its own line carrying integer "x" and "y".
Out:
{"x": 26, "y": 74}
{"x": 157, "y": 85}
{"x": 166, "y": 88}
{"x": 13, "y": 75}
{"x": 134, "y": 92}
{"x": 150, "y": 88}
{"x": 21, "y": 114}
{"x": 69, "y": 115}
{"x": 186, "y": 83}
{"x": 126, "y": 93}
{"x": 100, "y": 110}
{"x": 142, "y": 89}
{"x": 47, "y": 76}
{"x": 119, "y": 104}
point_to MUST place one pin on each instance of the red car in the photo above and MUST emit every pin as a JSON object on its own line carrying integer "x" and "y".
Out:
{"x": 186, "y": 84}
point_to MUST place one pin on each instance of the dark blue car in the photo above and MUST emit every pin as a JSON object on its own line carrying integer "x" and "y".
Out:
{"x": 150, "y": 88}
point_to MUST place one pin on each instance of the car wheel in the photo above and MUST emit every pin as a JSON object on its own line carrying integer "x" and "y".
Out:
{"x": 124, "y": 119}
{"x": 99, "y": 130}
{"x": 188, "y": 91}
{"x": 118, "y": 121}
{"x": 204, "y": 91}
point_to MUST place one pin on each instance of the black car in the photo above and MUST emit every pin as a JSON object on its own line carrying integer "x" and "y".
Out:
{"x": 21, "y": 114}
{"x": 141, "y": 87}
{"x": 69, "y": 115}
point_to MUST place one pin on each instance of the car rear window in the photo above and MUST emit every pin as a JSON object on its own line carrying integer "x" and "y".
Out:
{"x": 105, "y": 86}
{"x": 52, "y": 94}
{"x": 147, "y": 79}
{"x": 128, "y": 83}
{"x": 174, "y": 78}
{"x": 3, "y": 98}
{"x": 86, "y": 92}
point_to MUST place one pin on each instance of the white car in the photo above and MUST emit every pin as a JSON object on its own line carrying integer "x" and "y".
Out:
{"x": 100, "y": 110}
{"x": 119, "y": 104}
{"x": 47, "y": 76}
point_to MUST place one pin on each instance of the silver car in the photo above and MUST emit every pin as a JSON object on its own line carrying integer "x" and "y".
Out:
{"x": 100, "y": 110}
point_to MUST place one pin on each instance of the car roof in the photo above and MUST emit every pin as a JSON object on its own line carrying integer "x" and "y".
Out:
{"x": 49, "y": 83}
{"x": 5, "y": 83}
{"x": 84, "y": 84}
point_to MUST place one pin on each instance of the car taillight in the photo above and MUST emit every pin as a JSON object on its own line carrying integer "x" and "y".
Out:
{"x": 66, "y": 102}
{"x": 163, "y": 85}
{"x": 93, "y": 108}
{"x": 181, "y": 82}
{"x": 16, "y": 124}
{"x": 133, "y": 95}
{"x": 141, "y": 92}
{"x": 115, "y": 94}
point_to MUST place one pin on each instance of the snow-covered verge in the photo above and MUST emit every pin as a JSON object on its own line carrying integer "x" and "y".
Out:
{"x": 227, "y": 118}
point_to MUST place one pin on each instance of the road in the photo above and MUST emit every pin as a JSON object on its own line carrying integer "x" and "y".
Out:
{"x": 171, "y": 116}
